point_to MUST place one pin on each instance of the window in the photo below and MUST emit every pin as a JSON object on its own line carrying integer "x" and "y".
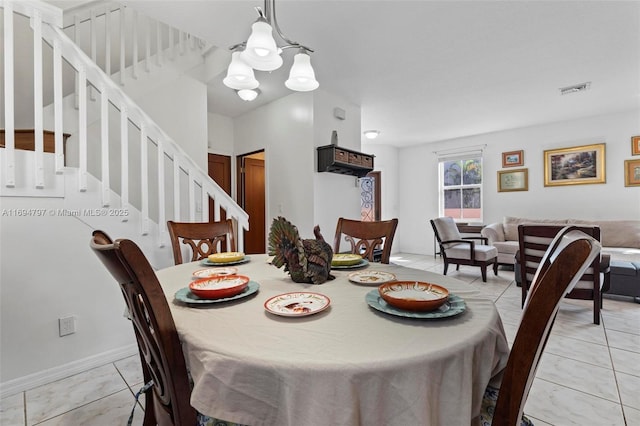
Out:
{"x": 461, "y": 187}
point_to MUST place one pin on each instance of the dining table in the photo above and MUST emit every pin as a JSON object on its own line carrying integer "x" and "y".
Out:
{"x": 356, "y": 361}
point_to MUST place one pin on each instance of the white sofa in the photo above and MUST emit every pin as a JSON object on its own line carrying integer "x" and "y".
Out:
{"x": 620, "y": 239}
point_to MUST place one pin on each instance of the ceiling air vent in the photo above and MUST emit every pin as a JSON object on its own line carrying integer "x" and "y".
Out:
{"x": 575, "y": 88}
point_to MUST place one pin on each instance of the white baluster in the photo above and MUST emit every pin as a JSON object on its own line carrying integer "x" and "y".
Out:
{"x": 158, "y": 43}
{"x": 176, "y": 188}
{"x": 162, "y": 218}
{"x": 82, "y": 127}
{"x": 205, "y": 204}
{"x": 122, "y": 44}
{"x": 104, "y": 139}
{"x": 172, "y": 44}
{"x": 134, "y": 66}
{"x": 147, "y": 42}
{"x": 192, "y": 197}
{"x": 76, "y": 26}
{"x": 124, "y": 158}
{"x": 9, "y": 124}
{"x": 57, "y": 107}
{"x": 107, "y": 41}
{"x": 93, "y": 48}
{"x": 37, "y": 99}
{"x": 144, "y": 178}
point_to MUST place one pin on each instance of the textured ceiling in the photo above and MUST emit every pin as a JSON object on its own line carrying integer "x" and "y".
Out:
{"x": 424, "y": 71}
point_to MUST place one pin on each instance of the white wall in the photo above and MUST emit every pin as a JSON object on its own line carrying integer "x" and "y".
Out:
{"x": 221, "y": 134}
{"x": 289, "y": 130}
{"x": 181, "y": 109}
{"x": 418, "y": 177}
{"x": 284, "y": 129}
{"x": 47, "y": 271}
{"x": 335, "y": 195}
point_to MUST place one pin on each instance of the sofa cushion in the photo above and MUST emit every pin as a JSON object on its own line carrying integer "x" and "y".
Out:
{"x": 509, "y": 247}
{"x": 622, "y": 254}
{"x": 615, "y": 233}
{"x": 510, "y": 225}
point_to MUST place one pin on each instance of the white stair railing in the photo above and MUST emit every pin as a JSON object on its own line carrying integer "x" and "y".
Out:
{"x": 174, "y": 171}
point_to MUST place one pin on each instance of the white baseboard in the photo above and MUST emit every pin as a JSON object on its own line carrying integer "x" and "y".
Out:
{"x": 40, "y": 378}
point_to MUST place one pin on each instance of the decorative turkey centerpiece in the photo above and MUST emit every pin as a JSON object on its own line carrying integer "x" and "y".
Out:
{"x": 307, "y": 261}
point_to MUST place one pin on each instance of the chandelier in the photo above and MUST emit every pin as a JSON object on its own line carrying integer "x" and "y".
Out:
{"x": 261, "y": 52}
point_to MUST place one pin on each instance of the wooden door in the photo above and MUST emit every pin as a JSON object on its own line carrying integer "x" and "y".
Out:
{"x": 220, "y": 172}
{"x": 252, "y": 188}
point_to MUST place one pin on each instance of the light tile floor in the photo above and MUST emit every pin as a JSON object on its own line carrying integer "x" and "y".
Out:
{"x": 589, "y": 374}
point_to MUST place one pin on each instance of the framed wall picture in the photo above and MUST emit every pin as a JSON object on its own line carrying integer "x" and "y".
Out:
{"x": 635, "y": 145}
{"x": 513, "y": 158}
{"x": 513, "y": 180}
{"x": 576, "y": 165}
{"x": 631, "y": 172}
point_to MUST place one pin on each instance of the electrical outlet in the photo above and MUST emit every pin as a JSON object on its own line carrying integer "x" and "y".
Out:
{"x": 67, "y": 325}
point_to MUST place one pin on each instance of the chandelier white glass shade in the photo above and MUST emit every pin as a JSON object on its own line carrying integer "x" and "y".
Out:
{"x": 248, "y": 94}
{"x": 302, "y": 78}
{"x": 239, "y": 74}
{"x": 261, "y": 52}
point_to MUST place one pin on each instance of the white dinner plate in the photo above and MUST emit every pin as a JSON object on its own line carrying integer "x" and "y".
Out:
{"x": 371, "y": 277}
{"x": 297, "y": 304}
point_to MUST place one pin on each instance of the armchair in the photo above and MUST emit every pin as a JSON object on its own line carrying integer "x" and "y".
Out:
{"x": 463, "y": 251}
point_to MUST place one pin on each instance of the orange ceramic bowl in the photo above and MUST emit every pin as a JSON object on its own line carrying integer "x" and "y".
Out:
{"x": 413, "y": 295}
{"x": 219, "y": 287}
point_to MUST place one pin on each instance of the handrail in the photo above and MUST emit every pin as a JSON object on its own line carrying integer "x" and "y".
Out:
{"x": 131, "y": 114}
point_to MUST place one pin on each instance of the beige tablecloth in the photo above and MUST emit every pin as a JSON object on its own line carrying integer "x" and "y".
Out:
{"x": 348, "y": 365}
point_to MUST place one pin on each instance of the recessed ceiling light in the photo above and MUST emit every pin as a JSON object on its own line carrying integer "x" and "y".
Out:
{"x": 575, "y": 88}
{"x": 371, "y": 134}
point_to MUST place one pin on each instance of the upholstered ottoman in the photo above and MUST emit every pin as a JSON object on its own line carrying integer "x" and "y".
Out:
{"x": 625, "y": 279}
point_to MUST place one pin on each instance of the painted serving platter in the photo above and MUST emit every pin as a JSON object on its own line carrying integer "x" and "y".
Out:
{"x": 414, "y": 295}
{"x": 371, "y": 277}
{"x": 297, "y": 304}
{"x": 361, "y": 264}
{"x": 212, "y": 272}
{"x": 207, "y": 262}
{"x": 184, "y": 295}
{"x": 455, "y": 305}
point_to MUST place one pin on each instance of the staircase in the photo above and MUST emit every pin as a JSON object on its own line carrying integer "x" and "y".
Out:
{"x": 121, "y": 172}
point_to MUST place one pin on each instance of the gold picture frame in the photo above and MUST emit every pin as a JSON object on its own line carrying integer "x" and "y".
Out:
{"x": 575, "y": 166}
{"x": 513, "y": 180}
{"x": 632, "y": 172}
{"x": 635, "y": 145}
{"x": 513, "y": 158}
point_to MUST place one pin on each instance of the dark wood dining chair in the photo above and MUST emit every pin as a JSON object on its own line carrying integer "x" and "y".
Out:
{"x": 534, "y": 240}
{"x": 366, "y": 238}
{"x": 163, "y": 364}
{"x": 460, "y": 250}
{"x": 204, "y": 238}
{"x": 569, "y": 255}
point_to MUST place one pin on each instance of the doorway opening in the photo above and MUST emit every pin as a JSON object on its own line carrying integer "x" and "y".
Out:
{"x": 370, "y": 197}
{"x": 251, "y": 197}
